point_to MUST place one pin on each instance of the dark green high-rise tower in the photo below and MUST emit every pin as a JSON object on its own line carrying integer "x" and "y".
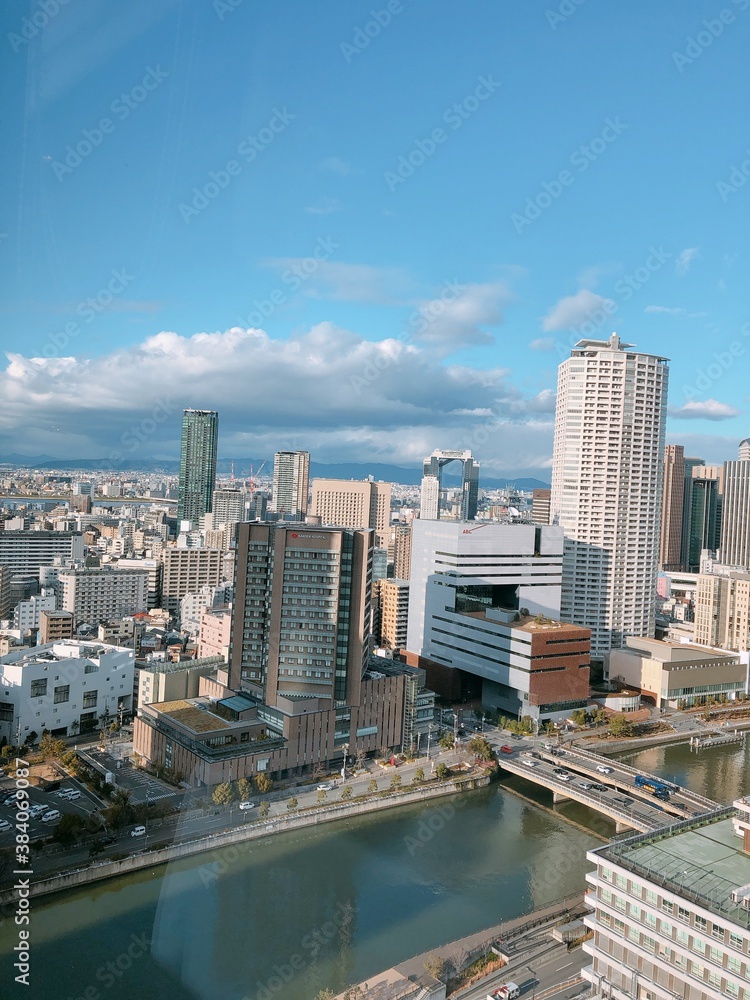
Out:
{"x": 200, "y": 434}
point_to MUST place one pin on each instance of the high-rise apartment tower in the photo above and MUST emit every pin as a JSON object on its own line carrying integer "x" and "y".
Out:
{"x": 607, "y": 478}
{"x": 291, "y": 478}
{"x": 200, "y": 435}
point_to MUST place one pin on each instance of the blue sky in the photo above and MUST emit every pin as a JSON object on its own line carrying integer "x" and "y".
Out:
{"x": 367, "y": 239}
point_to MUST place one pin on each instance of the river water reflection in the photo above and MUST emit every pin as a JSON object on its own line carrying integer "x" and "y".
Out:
{"x": 324, "y": 907}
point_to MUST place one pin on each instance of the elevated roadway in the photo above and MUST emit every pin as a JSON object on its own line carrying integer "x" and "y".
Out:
{"x": 606, "y": 785}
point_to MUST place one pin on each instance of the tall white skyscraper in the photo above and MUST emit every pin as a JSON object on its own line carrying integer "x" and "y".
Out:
{"x": 291, "y": 479}
{"x": 607, "y": 476}
{"x": 432, "y": 484}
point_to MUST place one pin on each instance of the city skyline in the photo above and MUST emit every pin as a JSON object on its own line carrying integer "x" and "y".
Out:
{"x": 331, "y": 319}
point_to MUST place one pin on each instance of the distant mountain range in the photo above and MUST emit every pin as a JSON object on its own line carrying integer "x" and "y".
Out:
{"x": 343, "y": 470}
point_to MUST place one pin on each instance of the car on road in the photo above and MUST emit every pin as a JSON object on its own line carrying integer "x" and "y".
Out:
{"x": 506, "y": 749}
{"x": 516, "y": 736}
{"x": 247, "y": 805}
{"x": 51, "y": 815}
{"x": 679, "y": 805}
{"x": 564, "y": 777}
{"x": 138, "y": 831}
{"x": 559, "y": 770}
{"x": 603, "y": 769}
{"x": 4, "y": 825}
{"x": 598, "y": 788}
{"x": 325, "y": 787}
{"x": 587, "y": 785}
{"x": 530, "y": 763}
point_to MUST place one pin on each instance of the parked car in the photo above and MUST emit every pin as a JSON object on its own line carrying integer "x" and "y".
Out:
{"x": 325, "y": 787}
{"x": 51, "y": 815}
{"x": 138, "y": 831}
{"x": 4, "y": 825}
{"x": 506, "y": 749}
{"x": 247, "y": 805}
{"x": 603, "y": 769}
{"x": 37, "y": 810}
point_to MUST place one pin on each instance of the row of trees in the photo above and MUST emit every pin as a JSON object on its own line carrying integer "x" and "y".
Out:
{"x": 241, "y": 790}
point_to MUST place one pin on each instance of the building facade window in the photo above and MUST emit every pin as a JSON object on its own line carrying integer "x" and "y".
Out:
{"x": 39, "y": 688}
{"x": 62, "y": 693}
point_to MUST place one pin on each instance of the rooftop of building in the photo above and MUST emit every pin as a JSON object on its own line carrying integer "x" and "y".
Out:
{"x": 526, "y": 623}
{"x": 170, "y": 667}
{"x": 194, "y": 714}
{"x": 61, "y": 649}
{"x": 673, "y": 650}
{"x": 700, "y": 859}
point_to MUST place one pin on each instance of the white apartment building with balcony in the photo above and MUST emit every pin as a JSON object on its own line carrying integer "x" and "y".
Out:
{"x": 96, "y": 594}
{"x": 607, "y": 475}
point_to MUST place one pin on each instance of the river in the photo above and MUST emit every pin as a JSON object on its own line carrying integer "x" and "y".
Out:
{"x": 290, "y": 915}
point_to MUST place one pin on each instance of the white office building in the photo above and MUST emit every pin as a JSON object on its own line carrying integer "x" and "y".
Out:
{"x": 474, "y": 590}
{"x": 63, "y": 687}
{"x": 607, "y": 487}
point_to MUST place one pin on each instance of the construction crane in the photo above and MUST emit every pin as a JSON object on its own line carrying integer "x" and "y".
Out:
{"x": 253, "y": 478}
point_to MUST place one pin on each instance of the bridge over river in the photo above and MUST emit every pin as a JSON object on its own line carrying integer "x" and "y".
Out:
{"x": 602, "y": 784}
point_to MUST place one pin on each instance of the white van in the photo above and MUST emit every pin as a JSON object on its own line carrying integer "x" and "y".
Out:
{"x": 51, "y": 816}
{"x": 138, "y": 831}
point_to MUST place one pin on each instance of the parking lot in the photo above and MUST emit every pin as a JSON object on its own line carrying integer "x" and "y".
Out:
{"x": 82, "y": 805}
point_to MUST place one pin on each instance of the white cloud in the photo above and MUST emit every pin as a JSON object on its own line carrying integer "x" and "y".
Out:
{"x": 543, "y": 344}
{"x": 684, "y": 259}
{"x": 342, "y": 282}
{"x": 328, "y": 389}
{"x": 591, "y": 275}
{"x": 675, "y": 311}
{"x": 573, "y": 310}
{"x": 706, "y": 409}
{"x": 458, "y": 317}
{"x": 666, "y": 310}
{"x": 336, "y": 165}
{"x": 324, "y": 206}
